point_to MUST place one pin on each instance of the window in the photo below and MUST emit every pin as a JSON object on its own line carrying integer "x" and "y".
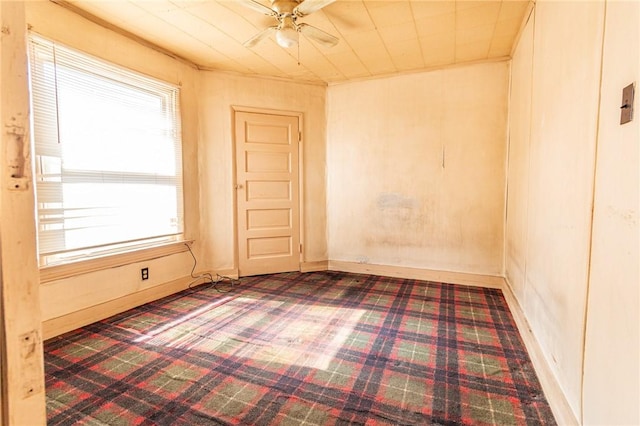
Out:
{"x": 108, "y": 164}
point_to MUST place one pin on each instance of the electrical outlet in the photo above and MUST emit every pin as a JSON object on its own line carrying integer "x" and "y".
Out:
{"x": 144, "y": 272}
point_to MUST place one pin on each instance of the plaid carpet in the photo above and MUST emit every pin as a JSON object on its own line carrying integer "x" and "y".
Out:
{"x": 291, "y": 349}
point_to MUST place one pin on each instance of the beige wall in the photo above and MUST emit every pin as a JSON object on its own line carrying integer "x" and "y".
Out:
{"x": 97, "y": 287}
{"x": 612, "y": 354}
{"x": 552, "y": 155}
{"x": 416, "y": 169}
{"x": 218, "y": 93}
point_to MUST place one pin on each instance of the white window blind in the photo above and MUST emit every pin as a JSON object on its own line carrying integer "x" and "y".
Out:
{"x": 108, "y": 164}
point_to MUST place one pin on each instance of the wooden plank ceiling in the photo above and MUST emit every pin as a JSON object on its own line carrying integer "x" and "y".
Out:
{"x": 377, "y": 37}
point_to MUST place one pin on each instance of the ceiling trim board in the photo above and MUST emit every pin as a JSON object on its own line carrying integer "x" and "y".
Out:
{"x": 263, "y": 77}
{"x": 423, "y": 70}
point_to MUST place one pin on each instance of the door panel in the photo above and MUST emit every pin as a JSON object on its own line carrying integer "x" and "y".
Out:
{"x": 267, "y": 193}
{"x": 273, "y": 190}
{"x": 272, "y": 162}
{"x": 268, "y": 219}
{"x": 265, "y": 247}
{"x": 258, "y": 133}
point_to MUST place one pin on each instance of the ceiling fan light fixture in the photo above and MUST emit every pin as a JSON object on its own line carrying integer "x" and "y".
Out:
{"x": 287, "y": 33}
{"x": 287, "y": 37}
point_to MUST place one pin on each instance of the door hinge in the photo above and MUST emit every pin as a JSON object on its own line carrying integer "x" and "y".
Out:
{"x": 300, "y": 248}
{"x": 299, "y": 137}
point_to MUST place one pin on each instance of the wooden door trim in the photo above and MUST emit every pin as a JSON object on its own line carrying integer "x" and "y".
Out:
{"x": 21, "y": 350}
{"x": 234, "y": 110}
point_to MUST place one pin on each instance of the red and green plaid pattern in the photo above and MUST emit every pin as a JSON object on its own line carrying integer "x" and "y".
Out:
{"x": 319, "y": 348}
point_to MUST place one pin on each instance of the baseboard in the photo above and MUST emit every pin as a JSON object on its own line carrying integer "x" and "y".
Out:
{"x": 463, "y": 278}
{"x": 57, "y": 326}
{"x": 319, "y": 265}
{"x": 555, "y": 396}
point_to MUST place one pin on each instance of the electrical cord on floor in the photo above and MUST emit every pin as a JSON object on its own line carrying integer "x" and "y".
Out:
{"x": 208, "y": 278}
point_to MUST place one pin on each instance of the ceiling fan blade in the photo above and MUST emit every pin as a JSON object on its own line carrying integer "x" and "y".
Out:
{"x": 258, "y": 7}
{"x": 259, "y": 37}
{"x": 310, "y": 6}
{"x": 318, "y": 35}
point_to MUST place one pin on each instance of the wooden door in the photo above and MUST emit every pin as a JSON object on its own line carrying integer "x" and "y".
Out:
{"x": 267, "y": 193}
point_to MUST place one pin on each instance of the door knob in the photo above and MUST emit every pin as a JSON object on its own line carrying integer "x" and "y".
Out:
{"x": 239, "y": 186}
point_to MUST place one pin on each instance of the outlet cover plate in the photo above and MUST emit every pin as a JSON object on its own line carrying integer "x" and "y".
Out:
{"x": 626, "y": 109}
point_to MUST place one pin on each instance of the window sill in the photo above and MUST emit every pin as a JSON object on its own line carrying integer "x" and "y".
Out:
{"x": 57, "y": 272}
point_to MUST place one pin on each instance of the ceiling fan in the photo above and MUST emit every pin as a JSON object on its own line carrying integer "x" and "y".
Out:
{"x": 287, "y": 12}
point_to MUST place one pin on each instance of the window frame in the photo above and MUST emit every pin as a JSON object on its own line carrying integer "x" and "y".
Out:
{"x": 99, "y": 256}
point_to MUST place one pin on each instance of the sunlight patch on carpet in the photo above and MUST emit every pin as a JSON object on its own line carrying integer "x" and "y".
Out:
{"x": 311, "y": 339}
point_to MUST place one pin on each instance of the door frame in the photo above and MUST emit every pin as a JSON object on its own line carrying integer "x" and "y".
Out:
{"x": 235, "y": 109}
{"x": 22, "y": 384}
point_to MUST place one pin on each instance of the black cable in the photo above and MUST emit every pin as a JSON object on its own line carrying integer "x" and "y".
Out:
{"x": 219, "y": 278}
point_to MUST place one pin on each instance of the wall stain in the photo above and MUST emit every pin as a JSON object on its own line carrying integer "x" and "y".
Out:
{"x": 397, "y": 220}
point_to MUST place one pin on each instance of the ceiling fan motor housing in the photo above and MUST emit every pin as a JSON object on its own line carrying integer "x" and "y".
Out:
{"x": 284, "y": 7}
